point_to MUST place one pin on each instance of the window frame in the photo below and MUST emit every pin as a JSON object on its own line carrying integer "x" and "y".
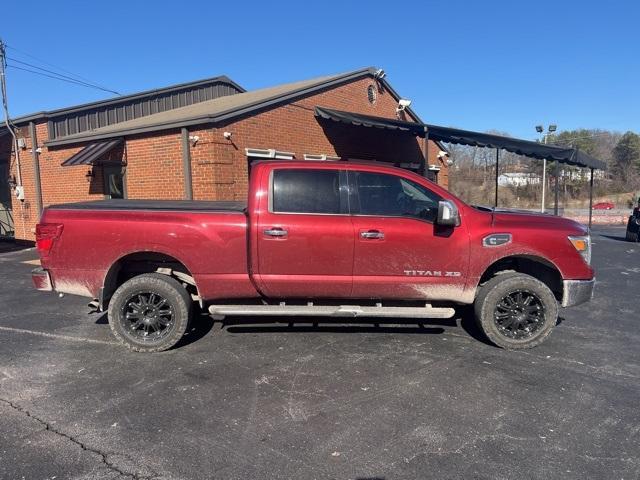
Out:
{"x": 354, "y": 196}
{"x": 343, "y": 189}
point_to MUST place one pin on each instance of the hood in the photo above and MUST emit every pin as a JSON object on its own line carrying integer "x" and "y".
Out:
{"x": 511, "y": 218}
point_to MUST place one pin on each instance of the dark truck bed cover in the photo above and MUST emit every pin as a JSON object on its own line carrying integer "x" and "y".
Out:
{"x": 155, "y": 205}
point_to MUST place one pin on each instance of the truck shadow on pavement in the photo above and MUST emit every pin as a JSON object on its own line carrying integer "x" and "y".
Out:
{"x": 202, "y": 324}
{"x": 331, "y": 325}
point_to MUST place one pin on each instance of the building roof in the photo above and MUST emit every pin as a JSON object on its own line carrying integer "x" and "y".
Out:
{"x": 223, "y": 108}
{"x": 125, "y": 98}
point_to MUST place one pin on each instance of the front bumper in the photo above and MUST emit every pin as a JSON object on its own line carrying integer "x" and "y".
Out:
{"x": 576, "y": 292}
{"x": 41, "y": 280}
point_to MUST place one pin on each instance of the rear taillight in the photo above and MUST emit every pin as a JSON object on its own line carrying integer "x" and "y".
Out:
{"x": 46, "y": 235}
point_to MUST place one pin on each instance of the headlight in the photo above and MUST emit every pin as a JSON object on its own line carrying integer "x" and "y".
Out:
{"x": 583, "y": 245}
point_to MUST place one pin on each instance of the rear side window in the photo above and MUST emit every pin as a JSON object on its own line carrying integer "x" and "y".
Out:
{"x": 306, "y": 191}
{"x": 391, "y": 196}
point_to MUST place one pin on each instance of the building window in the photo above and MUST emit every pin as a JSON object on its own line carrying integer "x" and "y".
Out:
{"x": 114, "y": 182}
{"x": 372, "y": 94}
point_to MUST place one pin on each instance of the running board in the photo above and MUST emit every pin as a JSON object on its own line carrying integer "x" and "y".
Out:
{"x": 220, "y": 311}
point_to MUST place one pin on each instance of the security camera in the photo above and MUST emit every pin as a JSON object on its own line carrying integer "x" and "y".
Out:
{"x": 227, "y": 135}
{"x": 403, "y": 103}
{"x": 194, "y": 139}
{"x": 442, "y": 154}
{"x": 380, "y": 74}
{"x": 19, "y": 192}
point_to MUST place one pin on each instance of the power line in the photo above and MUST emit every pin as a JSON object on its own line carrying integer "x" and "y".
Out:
{"x": 57, "y": 67}
{"x": 59, "y": 76}
{"x": 75, "y": 82}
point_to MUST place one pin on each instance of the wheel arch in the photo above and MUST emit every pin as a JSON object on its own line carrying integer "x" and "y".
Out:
{"x": 144, "y": 261}
{"x": 538, "y": 267}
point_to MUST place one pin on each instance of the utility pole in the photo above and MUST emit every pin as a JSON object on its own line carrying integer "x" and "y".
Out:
{"x": 5, "y": 106}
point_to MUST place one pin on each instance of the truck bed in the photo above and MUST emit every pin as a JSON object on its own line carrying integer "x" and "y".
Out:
{"x": 155, "y": 205}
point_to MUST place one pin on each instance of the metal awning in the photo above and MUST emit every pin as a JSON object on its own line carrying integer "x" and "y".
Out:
{"x": 571, "y": 156}
{"x": 90, "y": 155}
{"x": 414, "y": 128}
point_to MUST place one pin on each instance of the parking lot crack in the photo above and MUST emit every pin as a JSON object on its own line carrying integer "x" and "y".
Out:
{"x": 104, "y": 457}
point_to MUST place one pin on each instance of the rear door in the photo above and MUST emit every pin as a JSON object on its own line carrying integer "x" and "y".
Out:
{"x": 305, "y": 236}
{"x": 399, "y": 251}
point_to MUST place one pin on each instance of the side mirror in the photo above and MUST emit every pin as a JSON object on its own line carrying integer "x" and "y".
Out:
{"x": 448, "y": 214}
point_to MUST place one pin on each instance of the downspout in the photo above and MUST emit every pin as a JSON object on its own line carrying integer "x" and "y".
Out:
{"x": 186, "y": 165}
{"x": 36, "y": 166}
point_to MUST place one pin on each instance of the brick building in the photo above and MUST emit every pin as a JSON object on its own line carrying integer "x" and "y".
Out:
{"x": 198, "y": 140}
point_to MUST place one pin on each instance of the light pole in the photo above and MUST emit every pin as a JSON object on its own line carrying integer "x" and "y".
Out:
{"x": 540, "y": 129}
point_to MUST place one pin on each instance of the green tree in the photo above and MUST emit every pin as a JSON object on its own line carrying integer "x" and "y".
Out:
{"x": 626, "y": 158}
{"x": 583, "y": 139}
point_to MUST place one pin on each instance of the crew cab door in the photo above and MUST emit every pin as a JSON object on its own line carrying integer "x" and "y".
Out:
{"x": 305, "y": 235}
{"x": 400, "y": 252}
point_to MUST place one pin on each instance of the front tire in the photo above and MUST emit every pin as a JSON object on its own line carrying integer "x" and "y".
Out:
{"x": 516, "y": 311}
{"x": 150, "y": 312}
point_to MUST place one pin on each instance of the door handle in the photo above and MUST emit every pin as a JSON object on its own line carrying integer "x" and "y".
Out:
{"x": 276, "y": 232}
{"x": 372, "y": 235}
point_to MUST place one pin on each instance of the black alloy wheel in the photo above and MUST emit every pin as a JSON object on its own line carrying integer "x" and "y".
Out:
{"x": 147, "y": 317}
{"x": 519, "y": 315}
{"x": 515, "y": 310}
{"x": 150, "y": 312}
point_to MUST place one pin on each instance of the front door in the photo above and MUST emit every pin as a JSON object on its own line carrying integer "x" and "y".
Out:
{"x": 305, "y": 235}
{"x": 399, "y": 251}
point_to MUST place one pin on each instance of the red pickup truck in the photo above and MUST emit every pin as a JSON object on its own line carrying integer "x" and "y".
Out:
{"x": 316, "y": 239}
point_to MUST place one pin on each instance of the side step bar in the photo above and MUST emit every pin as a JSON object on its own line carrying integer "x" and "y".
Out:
{"x": 220, "y": 311}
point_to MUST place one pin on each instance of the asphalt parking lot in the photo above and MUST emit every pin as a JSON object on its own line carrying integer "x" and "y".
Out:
{"x": 270, "y": 400}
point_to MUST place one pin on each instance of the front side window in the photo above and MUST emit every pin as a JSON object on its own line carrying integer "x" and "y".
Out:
{"x": 390, "y": 196}
{"x": 306, "y": 191}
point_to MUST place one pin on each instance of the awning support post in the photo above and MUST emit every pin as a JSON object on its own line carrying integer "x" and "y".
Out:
{"x": 590, "y": 198}
{"x": 426, "y": 150}
{"x": 557, "y": 188}
{"x": 497, "y": 164}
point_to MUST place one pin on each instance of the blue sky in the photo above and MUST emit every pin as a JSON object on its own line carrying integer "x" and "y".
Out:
{"x": 504, "y": 65}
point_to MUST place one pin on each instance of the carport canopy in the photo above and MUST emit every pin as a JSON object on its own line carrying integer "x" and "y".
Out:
{"x": 91, "y": 154}
{"x": 570, "y": 156}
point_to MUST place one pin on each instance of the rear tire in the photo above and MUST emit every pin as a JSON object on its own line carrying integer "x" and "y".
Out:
{"x": 516, "y": 311}
{"x": 150, "y": 312}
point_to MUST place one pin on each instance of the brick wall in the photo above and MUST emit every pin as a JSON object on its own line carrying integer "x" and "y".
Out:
{"x": 219, "y": 166}
{"x": 59, "y": 184}
{"x": 154, "y": 166}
